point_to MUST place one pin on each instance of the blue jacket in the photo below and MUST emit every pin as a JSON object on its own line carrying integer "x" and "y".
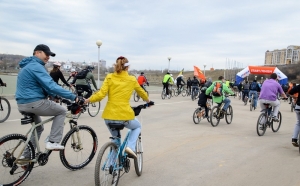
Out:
{"x": 34, "y": 83}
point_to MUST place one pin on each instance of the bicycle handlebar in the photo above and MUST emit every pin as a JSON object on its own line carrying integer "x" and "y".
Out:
{"x": 138, "y": 109}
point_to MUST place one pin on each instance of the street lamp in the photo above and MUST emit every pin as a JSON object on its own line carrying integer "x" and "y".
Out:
{"x": 255, "y": 77}
{"x": 204, "y": 68}
{"x": 169, "y": 58}
{"x": 98, "y": 43}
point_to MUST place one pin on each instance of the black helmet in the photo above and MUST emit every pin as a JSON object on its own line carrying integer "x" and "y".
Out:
{"x": 203, "y": 89}
{"x": 142, "y": 73}
{"x": 90, "y": 67}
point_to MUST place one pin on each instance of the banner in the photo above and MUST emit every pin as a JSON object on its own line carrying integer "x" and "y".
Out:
{"x": 181, "y": 72}
{"x": 198, "y": 73}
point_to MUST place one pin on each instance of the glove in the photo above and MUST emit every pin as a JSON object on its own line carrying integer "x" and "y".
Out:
{"x": 150, "y": 103}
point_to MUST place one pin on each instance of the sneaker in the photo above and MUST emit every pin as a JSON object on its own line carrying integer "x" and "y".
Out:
{"x": 274, "y": 118}
{"x": 54, "y": 146}
{"x": 130, "y": 153}
{"x": 289, "y": 103}
{"x": 295, "y": 142}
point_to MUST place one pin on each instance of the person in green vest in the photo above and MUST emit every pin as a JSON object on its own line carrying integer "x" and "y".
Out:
{"x": 166, "y": 81}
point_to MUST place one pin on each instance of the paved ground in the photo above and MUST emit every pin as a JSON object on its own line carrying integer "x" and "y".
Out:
{"x": 178, "y": 152}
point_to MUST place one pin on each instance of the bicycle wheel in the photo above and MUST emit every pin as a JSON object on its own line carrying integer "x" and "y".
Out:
{"x": 93, "y": 109}
{"x": 275, "y": 125}
{"x": 80, "y": 147}
{"x": 251, "y": 105}
{"x": 214, "y": 119}
{"x": 239, "y": 95}
{"x": 183, "y": 92}
{"x": 10, "y": 147}
{"x": 196, "y": 117}
{"x": 292, "y": 107}
{"x": 172, "y": 91}
{"x": 229, "y": 114}
{"x": 136, "y": 97}
{"x": 163, "y": 95}
{"x": 261, "y": 124}
{"x": 107, "y": 171}
{"x": 176, "y": 92}
{"x": 4, "y": 109}
{"x": 193, "y": 95}
{"x": 138, "y": 162}
{"x": 208, "y": 113}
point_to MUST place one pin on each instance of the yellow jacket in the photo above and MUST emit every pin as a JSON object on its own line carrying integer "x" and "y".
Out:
{"x": 119, "y": 88}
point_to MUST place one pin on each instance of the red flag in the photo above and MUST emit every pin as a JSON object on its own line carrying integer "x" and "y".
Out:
{"x": 198, "y": 73}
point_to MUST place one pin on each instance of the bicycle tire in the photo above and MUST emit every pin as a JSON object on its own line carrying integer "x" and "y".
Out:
{"x": 261, "y": 122}
{"x": 3, "y": 108}
{"x": 138, "y": 162}
{"x": 193, "y": 95}
{"x": 183, "y": 93}
{"x": 196, "y": 118}
{"x": 93, "y": 109}
{"x": 292, "y": 107}
{"x": 136, "y": 97}
{"x": 213, "y": 114}
{"x": 101, "y": 166}
{"x": 251, "y": 105}
{"x": 7, "y": 145}
{"x": 163, "y": 95}
{"x": 75, "y": 160}
{"x": 176, "y": 93}
{"x": 229, "y": 114}
{"x": 276, "y": 128}
{"x": 208, "y": 113}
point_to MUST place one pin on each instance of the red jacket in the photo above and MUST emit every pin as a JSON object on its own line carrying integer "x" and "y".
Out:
{"x": 142, "y": 80}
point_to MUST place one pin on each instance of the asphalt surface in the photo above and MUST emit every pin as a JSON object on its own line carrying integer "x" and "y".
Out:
{"x": 178, "y": 152}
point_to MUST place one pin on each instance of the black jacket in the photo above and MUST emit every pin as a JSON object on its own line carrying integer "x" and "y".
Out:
{"x": 58, "y": 75}
{"x": 294, "y": 90}
{"x": 203, "y": 98}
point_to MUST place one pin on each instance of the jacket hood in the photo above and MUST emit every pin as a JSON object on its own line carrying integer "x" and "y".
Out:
{"x": 31, "y": 59}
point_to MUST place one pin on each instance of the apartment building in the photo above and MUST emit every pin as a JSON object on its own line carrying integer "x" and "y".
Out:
{"x": 290, "y": 55}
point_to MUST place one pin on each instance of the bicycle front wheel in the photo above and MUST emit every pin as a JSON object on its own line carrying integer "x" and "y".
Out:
{"x": 275, "y": 125}
{"x": 80, "y": 147}
{"x": 10, "y": 147}
{"x": 229, "y": 114}
{"x": 93, "y": 109}
{"x": 183, "y": 92}
{"x": 138, "y": 162}
{"x": 163, "y": 95}
{"x": 214, "y": 118}
{"x": 4, "y": 109}
{"x": 107, "y": 168}
{"x": 261, "y": 124}
{"x": 136, "y": 97}
{"x": 251, "y": 105}
{"x": 196, "y": 117}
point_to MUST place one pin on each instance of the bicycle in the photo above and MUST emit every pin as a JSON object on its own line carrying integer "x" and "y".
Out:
{"x": 251, "y": 100}
{"x": 181, "y": 91}
{"x": 199, "y": 113}
{"x": 4, "y": 108}
{"x": 92, "y": 108}
{"x": 164, "y": 94}
{"x": 15, "y": 170}
{"x": 217, "y": 114}
{"x": 136, "y": 97}
{"x": 195, "y": 94}
{"x": 265, "y": 120}
{"x": 293, "y": 104}
{"x": 245, "y": 100}
{"x": 112, "y": 159}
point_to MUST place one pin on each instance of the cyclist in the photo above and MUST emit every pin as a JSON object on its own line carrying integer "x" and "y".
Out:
{"x": 293, "y": 91}
{"x": 246, "y": 86}
{"x": 72, "y": 75}
{"x": 33, "y": 86}
{"x": 202, "y": 102}
{"x": 119, "y": 87}
{"x": 83, "y": 83}
{"x": 166, "y": 81}
{"x": 268, "y": 94}
{"x": 142, "y": 80}
{"x": 222, "y": 97}
{"x": 56, "y": 74}
{"x": 195, "y": 85}
{"x": 180, "y": 82}
{"x": 254, "y": 89}
{"x": 189, "y": 84}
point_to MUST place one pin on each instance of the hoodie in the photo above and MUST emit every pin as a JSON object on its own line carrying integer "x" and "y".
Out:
{"x": 34, "y": 83}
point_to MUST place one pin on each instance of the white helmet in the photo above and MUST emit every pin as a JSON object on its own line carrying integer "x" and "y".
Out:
{"x": 171, "y": 75}
{"x": 57, "y": 64}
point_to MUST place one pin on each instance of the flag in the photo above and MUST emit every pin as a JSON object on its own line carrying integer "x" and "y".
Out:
{"x": 180, "y": 73}
{"x": 198, "y": 73}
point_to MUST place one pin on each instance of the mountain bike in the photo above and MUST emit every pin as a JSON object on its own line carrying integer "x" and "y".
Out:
{"x": 112, "y": 159}
{"x": 80, "y": 147}
{"x": 265, "y": 120}
{"x": 4, "y": 108}
{"x": 195, "y": 93}
{"x": 216, "y": 114}
{"x": 199, "y": 113}
{"x": 136, "y": 97}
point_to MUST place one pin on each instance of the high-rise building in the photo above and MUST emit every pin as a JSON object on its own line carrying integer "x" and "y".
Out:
{"x": 290, "y": 55}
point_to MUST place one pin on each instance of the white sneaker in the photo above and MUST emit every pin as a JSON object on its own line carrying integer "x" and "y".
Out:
{"x": 54, "y": 146}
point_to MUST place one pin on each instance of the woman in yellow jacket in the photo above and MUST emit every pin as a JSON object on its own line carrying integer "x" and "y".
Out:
{"x": 119, "y": 87}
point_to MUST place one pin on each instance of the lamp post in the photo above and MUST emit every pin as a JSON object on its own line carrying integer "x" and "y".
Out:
{"x": 261, "y": 79}
{"x": 204, "y": 68}
{"x": 255, "y": 77}
{"x": 98, "y": 43}
{"x": 169, "y": 58}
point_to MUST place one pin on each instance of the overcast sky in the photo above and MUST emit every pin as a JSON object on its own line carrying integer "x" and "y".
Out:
{"x": 147, "y": 32}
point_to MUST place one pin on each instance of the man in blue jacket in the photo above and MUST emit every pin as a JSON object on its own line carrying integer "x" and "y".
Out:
{"x": 34, "y": 84}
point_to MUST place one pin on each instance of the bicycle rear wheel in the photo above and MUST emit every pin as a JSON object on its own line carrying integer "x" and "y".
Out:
{"x": 163, "y": 95}
{"x": 275, "y": 125}
{"x": 261, "y": 124}
{"x": 136, "y": 97}
{"x": 138, "y": 162}
{"x": 10, "y": 147}
{"x": 196, "y": 117}
{"x": 251, "y": 105}
{"x": 229, "y": 114}
{"x": 107, "y": 168}
{"x": 214, "y": 118}
{"x": 80, "y": 147}
{"x": 176, "y": 92}
{"x": 93, "y": 109}
{"x": 292, "y": 107}
{"x": 4, "y": 109}
{"x": 208, "y": 114}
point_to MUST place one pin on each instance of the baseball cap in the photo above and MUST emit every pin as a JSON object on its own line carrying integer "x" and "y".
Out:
{"x": 45, "y": 49}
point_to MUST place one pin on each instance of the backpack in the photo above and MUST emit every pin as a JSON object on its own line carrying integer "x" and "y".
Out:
{"x": 218, "y": 89}
{"x": 82, "y": 74}
{"x": 253, "y": 86}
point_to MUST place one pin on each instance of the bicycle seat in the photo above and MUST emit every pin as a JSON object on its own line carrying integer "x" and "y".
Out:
{"x": 28, "y": 118}
{"x": 267, "y": 104}
{"x": 116, "y": 126}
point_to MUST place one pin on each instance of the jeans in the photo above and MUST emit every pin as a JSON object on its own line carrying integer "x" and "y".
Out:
{"x": 275, "y": 104}
{"x": 245, "y": 93}
{"x": 297, "y": 126}
{"x": 135, "y": 127}
{"x": 195, "y": 88}
{"x": 254, "y": 97}
{"x": 85, "y": 88}
{"x": 227, "y": 103}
